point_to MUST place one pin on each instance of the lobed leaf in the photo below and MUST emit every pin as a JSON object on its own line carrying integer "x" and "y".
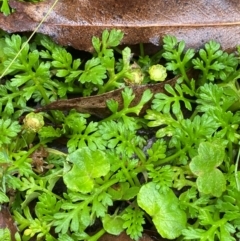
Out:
{"x": 87, "y": 165}
{"x": 113, "y": 224}
{"x": 210, "y": 179}
{"x": 164, "y": 209}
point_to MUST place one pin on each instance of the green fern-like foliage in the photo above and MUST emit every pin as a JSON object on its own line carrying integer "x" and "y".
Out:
{"x": 175, "y": 168}
{"x": 133, "y": 222}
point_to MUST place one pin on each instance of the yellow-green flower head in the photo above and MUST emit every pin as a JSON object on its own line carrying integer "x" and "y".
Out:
{"x": 135, "y": 76}
{"x": 33, "y": 122}
{"x": 157, "y": 72}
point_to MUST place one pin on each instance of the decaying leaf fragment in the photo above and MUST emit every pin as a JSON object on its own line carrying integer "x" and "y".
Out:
{"x": 96, "y": 105}
{"x": 75, "y": 22}
{"x": 6, "y": 221}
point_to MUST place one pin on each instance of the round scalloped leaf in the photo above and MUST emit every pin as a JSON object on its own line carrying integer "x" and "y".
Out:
{"x": 213, "y": 183}
{"x": 113, "y": 224}
{"x": 164, "y": 209}
{"x": 210, "y": 179}
{"x": 87, "y": 165}
{"x": 209, "y": 156}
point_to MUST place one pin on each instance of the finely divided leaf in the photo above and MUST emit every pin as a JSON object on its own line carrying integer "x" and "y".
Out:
{"x": 94, "y": 72}
{"x": 133, "y": 222}
{"x": 8, "y": 130}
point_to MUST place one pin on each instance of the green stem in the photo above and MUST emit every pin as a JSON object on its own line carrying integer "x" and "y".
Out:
{"x": 11, "y": 96}
{"x": 108, "y": 184}
{"x": 43, "y": 93}
{"x": 236, "y": 171}
{"x": 128, "y": 176}
{"x": 76, "y": 90}
{"x": 96, "y": 236}
{"x": 195, "y": 112}
{"x": 136, "y": 181}
{"x": 141, "y": 50}
{"x": 205, "y": 71}
{"x": 142, "y": 168}
{"x": 118, "y": 50}
{"x": 117, "y": 115}
{"x": 230, "y": 151}
{"x": 183, "y": 72}
{"x": 114, "y": 116}
{"x": 28, "y": 136}
{"x": 182, "y": 69}
{"x": 170, "y": 158}
{"x": 101, "y": 189}
{"x": 112, "y": 81}
{"x": 44, "y": 190}
{"x": 140, "y": 154}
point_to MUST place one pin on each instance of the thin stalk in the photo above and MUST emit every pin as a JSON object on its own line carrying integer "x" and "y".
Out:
{"x": 170, "y": 158}
{"x": 43, "y": 92}
{"x": 142, "y": 168}
{"x": 141, "y": 50}
{"x": 136, "y": 181}
{"x": 140, "y": 154}
{"x": 45, "y": 190}
{"x": 128, "y": 176}
{"x": 112, "y": 80}
{"x": 111, "y": 76}
{"x": 119, "y": 114}
{"x": 36, "y": 82}
{"x": 194, "y": 114}
{"x": 12, "y": 95}
{"x": 182, "y": 69}
{"x": 183, "y": 72}
{"x": 205, "y": 71}
{"x": 118, "y": 50}
{"x": 96, "y": 236}
{"x": 230, "y": 151}
{"x": 114, "y": 116}
{"x": 236, "y": 171}
{"x": 108, "y": 184}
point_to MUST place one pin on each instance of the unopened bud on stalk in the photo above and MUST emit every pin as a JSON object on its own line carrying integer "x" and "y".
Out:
{"x": 157, "y": 72}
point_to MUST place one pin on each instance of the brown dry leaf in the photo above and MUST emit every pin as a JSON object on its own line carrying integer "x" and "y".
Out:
{"x": 74, "y": 22}
{"x": 6, "y": 221}
{"x": 96, "y": 105}
{"x": 39, "y": 162}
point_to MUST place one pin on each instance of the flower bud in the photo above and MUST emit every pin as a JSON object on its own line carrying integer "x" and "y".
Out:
{"x": 135, "y": 76}
{"x": 157, "y": 72}
{"x": 33, "y": 122}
